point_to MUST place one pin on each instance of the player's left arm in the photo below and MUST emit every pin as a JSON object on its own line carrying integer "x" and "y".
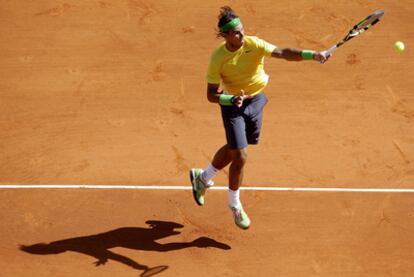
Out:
{"x": 294, "y": 54}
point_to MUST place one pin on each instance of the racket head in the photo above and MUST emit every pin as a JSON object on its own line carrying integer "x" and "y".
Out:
{"x": 365, "y": 24}
{"x": 359, "y": 28}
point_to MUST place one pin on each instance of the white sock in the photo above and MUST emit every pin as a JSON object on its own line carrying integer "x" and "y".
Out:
{"x": 209, "y": 173}
{"x": 234, "y": 198}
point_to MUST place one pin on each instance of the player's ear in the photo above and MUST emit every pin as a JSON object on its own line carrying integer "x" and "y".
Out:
{"x": 222, "y": 34}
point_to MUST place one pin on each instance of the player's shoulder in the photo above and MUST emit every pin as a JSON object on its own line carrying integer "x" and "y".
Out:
{"x": 253, "y": 41}
{"x": 259, "y": 43}
{"x": 219, "y": 48}
{"x": 219, "y": 51}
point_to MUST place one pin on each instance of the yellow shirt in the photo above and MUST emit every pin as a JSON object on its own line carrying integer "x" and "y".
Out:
{"x": 242, "y": 69}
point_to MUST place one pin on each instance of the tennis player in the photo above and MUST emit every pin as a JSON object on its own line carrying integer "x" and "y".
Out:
{"x": 236, "y": 80}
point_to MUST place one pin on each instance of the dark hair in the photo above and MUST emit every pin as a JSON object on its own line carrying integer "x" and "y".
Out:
{"x": 226, "y": 15}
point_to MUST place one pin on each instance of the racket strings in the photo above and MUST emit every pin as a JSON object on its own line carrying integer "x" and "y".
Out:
{"x": 369, "y": 21}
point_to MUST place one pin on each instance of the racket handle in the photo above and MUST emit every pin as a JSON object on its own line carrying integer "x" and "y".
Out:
{"x": 328, "y": 52}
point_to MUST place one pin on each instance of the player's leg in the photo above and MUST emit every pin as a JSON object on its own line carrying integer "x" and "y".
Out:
{"x": 222, "y": 158}
{"x": 239, "y": 158}
{"x": 253, "y": 115}
{"x": 201, "y": 179}
{"x": 234, "y": 122}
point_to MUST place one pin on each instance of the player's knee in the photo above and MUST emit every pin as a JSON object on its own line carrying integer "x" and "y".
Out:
{"x": 239, "y": 157}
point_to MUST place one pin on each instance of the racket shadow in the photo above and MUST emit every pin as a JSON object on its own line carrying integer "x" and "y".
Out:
{"x": 136, "y": 238}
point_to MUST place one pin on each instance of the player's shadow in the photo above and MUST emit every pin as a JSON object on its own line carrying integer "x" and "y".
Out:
{"x": 99, "y": 245}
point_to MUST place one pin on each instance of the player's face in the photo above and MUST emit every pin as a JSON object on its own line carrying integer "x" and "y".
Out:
{"x": 235, "y": 36}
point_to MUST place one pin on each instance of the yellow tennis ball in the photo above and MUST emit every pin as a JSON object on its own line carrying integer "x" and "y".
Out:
{"x": 399, "y": 46}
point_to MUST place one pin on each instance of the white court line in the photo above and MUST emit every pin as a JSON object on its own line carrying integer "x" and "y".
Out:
{"x": 376, "y": 190}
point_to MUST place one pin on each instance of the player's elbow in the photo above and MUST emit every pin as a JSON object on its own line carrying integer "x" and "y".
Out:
{"x": 212, "y": 90}
{"x": 211, "y": 97}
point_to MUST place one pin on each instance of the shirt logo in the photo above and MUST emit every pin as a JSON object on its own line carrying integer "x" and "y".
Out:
{"x": 248, "y": 51}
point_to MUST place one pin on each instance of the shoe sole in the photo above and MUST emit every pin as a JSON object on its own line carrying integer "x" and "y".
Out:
{"x": 192, "y": 177}
{"x": 243, "y": 228}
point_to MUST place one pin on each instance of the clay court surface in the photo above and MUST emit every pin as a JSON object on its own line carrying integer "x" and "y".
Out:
{"x": 113, "y": 93}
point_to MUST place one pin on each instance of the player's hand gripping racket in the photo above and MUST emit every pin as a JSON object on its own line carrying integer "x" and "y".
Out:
{"x": 359, "y": 28}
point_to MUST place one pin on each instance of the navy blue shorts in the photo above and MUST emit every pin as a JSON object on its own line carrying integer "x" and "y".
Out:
{"x": 243, "y": 124}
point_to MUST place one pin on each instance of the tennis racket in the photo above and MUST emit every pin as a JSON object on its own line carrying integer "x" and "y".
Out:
{"x": 359, "y": 28}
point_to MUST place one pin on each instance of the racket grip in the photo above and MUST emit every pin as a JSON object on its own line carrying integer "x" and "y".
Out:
{"x": 330, "y": 50}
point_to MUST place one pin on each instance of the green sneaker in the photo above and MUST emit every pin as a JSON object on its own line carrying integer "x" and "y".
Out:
{"x": 240, "y": 217}
{"x": 199, "y": 187}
